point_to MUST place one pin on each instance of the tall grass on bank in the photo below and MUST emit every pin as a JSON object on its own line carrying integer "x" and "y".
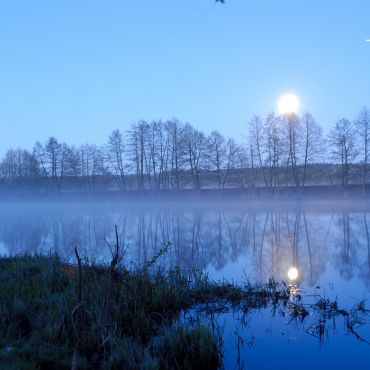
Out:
{"x": 53, "y": 314}
{"x": 38, "y": 324}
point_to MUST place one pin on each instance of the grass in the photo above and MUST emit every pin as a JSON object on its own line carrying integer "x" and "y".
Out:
{"x": 57, "y": 316}
{"x": 39, "y": 325}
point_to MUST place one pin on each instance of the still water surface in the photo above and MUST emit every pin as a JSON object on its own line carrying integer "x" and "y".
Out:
{"x": 328, "y": 244}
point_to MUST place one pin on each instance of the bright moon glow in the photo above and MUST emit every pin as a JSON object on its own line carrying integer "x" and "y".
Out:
{"x": 288, "y": 104}
{"x": 293, "y": 273}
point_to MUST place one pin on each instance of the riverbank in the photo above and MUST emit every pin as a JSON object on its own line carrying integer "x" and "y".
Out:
{"x": 102, "y": 317}
{"x": 106, "y": 317}
{"x": 57, "y": 316}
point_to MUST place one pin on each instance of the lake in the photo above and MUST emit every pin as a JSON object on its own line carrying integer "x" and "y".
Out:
{"x": 328, "y": 243}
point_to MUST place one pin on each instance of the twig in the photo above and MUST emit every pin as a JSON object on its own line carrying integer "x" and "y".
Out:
{"x": 76, "y": 322}
{"x": 79, "y": 289}
{"x": 161, "y": 251}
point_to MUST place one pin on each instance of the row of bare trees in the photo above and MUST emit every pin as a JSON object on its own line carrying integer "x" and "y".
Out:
{"x": 278, "y": 151}
{"x": 285, "y": 147}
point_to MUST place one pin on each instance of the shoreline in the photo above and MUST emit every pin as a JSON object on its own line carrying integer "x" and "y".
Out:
{"x": 311, "y": 192}
{"x": 104, "y": 316}
{"x": 314, "y": 199}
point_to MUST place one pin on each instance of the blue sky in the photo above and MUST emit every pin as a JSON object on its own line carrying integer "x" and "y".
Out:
{"x": 79, "y": 69}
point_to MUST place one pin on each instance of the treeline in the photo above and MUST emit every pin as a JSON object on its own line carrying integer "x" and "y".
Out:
{"x": 277, "y": 151}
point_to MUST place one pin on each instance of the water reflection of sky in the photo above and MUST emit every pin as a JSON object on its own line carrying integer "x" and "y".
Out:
{"x": 331, "y": 251}
{"x": 233, "y": 243}
{"x": 3, "y": 249}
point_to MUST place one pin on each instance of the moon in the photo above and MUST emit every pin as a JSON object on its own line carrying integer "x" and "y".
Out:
{"x": 288, "y": 104}
{"x": 293, "y": 273}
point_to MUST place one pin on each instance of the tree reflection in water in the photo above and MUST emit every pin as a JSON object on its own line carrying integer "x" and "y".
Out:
{"x": 263, "y": 244}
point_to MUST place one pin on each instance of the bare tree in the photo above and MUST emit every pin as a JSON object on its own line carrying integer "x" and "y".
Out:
{"x": 195, "y": 150}
{"x": 115, "y": 153}
{"x": 52, "y": 153}
{"x": 312, "y": 141}
{"x": 18, "y": 164}
{"x": 292, "y": 134}
{"x": 217, "y": 156}
{"x": 174, "y": 132}
{"x": 158, "y": 153}
{"x": 51, "y": 157}
{"x": 237, "y": 163}
{"x": 72, "y": 162}
{"x": 137, "y": 149}
{"x": 272, "y": 148}
{"x": 163, "y": 145}
{"x": 363, "y": 131}
{"x": 93, "y": 164}
{"x": 342, "y": 140}
{"x": 40, "y": 155}
{"x": 256, "y": 141}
